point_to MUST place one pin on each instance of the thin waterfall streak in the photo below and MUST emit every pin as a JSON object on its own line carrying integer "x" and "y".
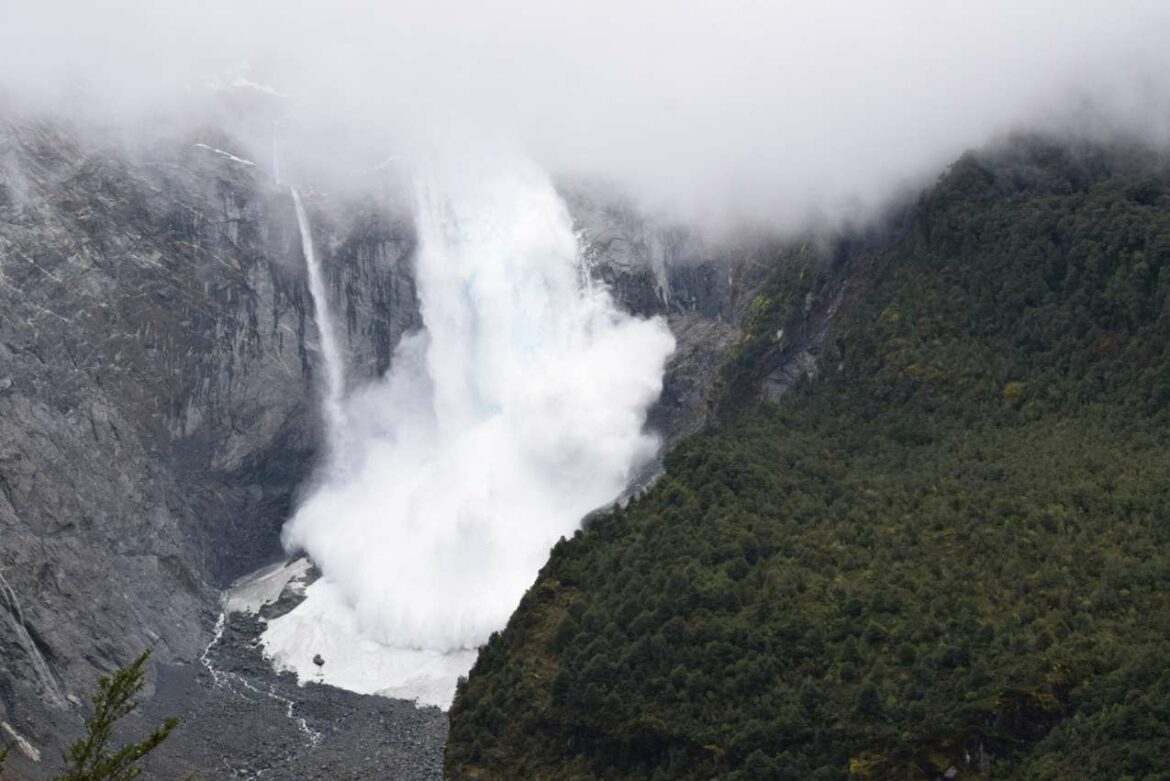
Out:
{"x": 517, "y": 410}
{"x": 276, "y": 156}
{"x": 331, "y": 355}
{"x": 52, "y": 690}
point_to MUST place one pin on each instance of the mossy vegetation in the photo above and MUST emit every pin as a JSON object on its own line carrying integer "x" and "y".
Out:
{"x": 950, "y": 550}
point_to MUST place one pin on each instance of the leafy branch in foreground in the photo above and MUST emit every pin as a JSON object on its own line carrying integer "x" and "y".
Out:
{"x": 89, "y": 758}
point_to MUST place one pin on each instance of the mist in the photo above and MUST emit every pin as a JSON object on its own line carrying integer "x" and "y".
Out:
{"x": 778, "y": 113}
{"x": 518, "y": 409}
{"x": 520, "y": 405}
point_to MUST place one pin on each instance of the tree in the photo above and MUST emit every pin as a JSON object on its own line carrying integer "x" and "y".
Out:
{"x": 89, "y": 758}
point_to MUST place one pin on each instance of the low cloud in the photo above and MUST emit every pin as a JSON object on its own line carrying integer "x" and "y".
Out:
{"x": 774, "y": 111}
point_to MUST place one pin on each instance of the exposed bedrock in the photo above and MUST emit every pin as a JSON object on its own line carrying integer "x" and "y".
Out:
{"x": 157, "y": 397}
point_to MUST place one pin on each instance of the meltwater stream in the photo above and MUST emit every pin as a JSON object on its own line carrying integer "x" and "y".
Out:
{"x": 517, "y": 410}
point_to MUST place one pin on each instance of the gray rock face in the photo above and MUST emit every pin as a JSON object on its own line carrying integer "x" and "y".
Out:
{"x": 800, "y": 357}
{"x": 703, "y": 288}
{"x": 157, "y": 352}
{"x": 158, "y": 407}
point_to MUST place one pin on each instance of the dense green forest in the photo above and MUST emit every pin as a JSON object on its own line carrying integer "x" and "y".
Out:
{"x": 949, "y": 554}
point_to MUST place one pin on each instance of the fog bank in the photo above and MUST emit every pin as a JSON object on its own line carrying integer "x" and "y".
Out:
{"x": 776, "y": 111}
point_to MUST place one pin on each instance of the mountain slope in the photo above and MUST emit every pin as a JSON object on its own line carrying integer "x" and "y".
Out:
{"x": 158, "y": 412}
{"x": 948, "y": 551}
{"x": 156, "y": 396}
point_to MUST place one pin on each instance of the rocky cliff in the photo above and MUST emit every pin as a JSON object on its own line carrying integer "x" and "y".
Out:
{"x": 157, "y": 397}
{"x": 157, "y": 353}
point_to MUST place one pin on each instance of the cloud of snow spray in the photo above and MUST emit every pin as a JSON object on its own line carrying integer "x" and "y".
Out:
{"x": 517, "y": 410}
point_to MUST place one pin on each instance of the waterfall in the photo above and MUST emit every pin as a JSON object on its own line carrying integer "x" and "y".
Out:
{"x": 51, "y": 690}
{"x": 658, "y": 266}
{"x": 519, "y": 409}
{"x": 331, "y": 357}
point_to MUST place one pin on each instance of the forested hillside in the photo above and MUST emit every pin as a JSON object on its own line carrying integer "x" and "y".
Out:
{"x": 947, "y": 555}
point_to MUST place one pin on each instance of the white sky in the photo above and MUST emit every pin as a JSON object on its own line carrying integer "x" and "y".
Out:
{"x": 773, "y": 110}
